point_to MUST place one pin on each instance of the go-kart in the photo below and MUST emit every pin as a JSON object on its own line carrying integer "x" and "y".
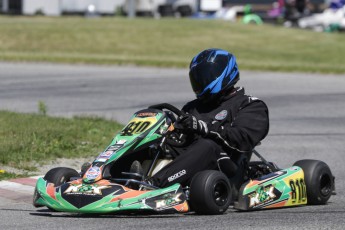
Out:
{"x": 107, "y": 185}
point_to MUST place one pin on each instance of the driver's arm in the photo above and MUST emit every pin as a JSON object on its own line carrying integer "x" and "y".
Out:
{"x": 247, "y": 128}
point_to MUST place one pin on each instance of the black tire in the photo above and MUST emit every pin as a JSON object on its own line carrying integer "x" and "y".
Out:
{"x": 60, "y": 175}
{"x": 57, "y": 176}
{"x": 318, "y": 179}
{"x": 210, "y": 193}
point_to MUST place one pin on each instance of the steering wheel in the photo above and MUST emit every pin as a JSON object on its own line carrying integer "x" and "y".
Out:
{"x": 168, "y": 107}
{"x": 176, "y": 138}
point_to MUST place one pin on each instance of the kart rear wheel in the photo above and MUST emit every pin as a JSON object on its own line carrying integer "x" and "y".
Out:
{"x": 60, "y": 175}
{"x": 318, "y": 179}
{"x": 210, "y": 193}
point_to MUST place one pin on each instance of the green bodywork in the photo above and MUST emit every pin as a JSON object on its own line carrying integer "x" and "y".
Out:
{"x": 93, "y": 194}
{"x": 154, "y": 200}
{"x": 278, "y": 189}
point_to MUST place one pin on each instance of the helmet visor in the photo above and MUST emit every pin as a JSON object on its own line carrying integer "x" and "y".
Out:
{"x": 203, "y": 74}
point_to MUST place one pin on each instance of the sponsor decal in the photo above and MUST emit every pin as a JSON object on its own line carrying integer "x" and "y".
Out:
{"x": 101, "y": 159}
{"x": 262, "y": 195}
{"x": 85, "y": 189}
{"x": 121, "y": 142}
{"x": 221, "y": 115}
{"x": 116, "y": 146}
{"x": 170, "y": 200}
{"x": 164, "y": 128}
{"x": 146, "y": 114}
{"x": 93, "y": 173}
{"x": 177, "y": 175}
{"x": 104, "y": 156}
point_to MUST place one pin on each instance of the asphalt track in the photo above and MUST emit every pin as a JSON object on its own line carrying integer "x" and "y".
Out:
{"x": 307, "y": 113}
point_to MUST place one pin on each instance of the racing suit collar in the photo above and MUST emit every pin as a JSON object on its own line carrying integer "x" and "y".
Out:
{"x": 226, "y": 96}
{"x": 233, "y": 92}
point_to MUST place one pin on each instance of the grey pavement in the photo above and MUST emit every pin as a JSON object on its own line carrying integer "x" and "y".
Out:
{"x": 307, "y": 114}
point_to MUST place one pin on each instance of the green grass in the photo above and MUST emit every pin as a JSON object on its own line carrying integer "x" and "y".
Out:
{"x": 167, "y": 42}
{"x": 9, "y": 175}
{"x": 29, "y": 138}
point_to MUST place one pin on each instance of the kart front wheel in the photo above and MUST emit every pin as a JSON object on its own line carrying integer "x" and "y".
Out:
{"x": 60, "y": 175}
{"x": 318, "y": 179}
{"x": 210, "y": 193}
{"x": 57, "y": 176}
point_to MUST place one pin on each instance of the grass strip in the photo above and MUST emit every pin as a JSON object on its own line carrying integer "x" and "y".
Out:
{"x": 167, "y": 42}
{"x": 27, "y": 139}
{"x": 10, "y": 175}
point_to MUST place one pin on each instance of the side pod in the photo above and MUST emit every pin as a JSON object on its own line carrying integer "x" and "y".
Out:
{"x": 275, "y": 190}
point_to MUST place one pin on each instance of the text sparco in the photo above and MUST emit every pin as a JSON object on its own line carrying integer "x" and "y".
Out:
{"x": 177, "y": 175}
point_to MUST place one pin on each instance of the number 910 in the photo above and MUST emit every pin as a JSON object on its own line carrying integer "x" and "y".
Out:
{"x": 298, "y": 191}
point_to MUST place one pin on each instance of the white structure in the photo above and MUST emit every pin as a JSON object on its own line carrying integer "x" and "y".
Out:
{"x": 229, "y": 14}
{"x": 166, "y": 7}
{"x": 210, "y": 5}
{"x": 81, "y": 6}
{"x": 151, "y": 7}
{"x": 321, "y": 21}
{"x": 57, "y": 7}
{"x": 32, "y": 7}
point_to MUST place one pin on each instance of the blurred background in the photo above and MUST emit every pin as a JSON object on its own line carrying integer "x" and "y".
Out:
{"x": 72, "y": 72}
{"x": 320, "y": 15}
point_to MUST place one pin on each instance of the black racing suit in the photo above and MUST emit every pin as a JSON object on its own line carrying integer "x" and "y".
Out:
{"x": 236, "y": 123}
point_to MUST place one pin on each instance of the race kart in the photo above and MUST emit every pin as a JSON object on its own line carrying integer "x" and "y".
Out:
{"x": 109, "y": 185}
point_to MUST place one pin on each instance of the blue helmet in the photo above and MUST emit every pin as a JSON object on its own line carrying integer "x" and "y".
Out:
{"x": 211, "y": 72}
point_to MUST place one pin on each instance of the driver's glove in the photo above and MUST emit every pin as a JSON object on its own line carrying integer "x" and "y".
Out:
{"x": 189, "y": 122}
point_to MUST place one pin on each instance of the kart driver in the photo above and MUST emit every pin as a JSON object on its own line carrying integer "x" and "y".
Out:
{"x": 223, "y": 124}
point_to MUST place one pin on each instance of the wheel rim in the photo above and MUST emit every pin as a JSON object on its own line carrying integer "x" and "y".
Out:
{"x": 325, "y": 185}
{"x": 221, "y": 193}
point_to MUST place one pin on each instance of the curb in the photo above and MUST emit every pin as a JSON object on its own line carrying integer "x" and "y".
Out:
{"x": 18, "y": 190}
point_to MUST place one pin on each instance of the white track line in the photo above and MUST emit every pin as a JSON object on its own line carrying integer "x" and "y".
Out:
{"x": 16, "y": 187}
{"x": 36, "y": 177}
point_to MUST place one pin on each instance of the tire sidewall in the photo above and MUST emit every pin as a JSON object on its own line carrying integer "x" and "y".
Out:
{"x": 57, "y": 176}
{"x": 209, "y": 192}
{"x": 202, "y": 198}
{"x": 314, "y": 193}
{"x": 60, "y": 175}
{"x": 314, "y": 170}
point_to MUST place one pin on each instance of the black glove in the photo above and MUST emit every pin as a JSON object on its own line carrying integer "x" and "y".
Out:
{"x": 188, "y": 122}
